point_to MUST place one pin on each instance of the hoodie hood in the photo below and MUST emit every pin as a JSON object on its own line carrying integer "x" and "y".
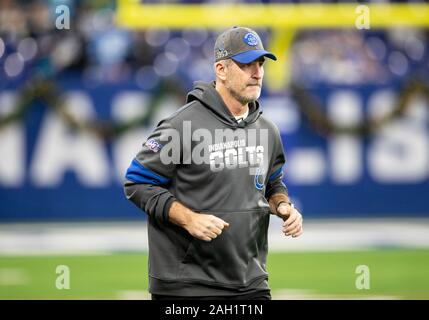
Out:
{"x": 205, "y": 92}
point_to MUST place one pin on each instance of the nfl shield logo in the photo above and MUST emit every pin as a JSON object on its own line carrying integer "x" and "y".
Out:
{"x": 153, "y": 145}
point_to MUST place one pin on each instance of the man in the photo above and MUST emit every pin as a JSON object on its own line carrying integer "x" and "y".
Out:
{"x": 208, "y": 177}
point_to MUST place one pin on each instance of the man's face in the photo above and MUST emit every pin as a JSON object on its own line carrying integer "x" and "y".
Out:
{"x": 244, "y": 81}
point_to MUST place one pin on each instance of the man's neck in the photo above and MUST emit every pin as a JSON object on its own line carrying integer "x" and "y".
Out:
{"x": 234, "y": 106}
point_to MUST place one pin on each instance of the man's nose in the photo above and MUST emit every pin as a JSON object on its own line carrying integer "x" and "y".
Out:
{"x": 258, "y": 72}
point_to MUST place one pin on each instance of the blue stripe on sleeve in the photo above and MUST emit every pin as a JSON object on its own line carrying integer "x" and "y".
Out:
{"x": 140, "y": 174}
{"x": 275, "y": 174}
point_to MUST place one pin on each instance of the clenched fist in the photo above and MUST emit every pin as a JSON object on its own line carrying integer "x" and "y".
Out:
{"x": 292, "y": 219}
{"x": 205, "y": 226}
{"x": 201, "y": 226}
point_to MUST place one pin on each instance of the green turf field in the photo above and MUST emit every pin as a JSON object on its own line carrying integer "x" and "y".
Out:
{"x": 402, "y": 274}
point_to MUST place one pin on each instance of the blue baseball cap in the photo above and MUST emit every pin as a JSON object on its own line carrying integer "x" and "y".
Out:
{"x": 240, "y": 44}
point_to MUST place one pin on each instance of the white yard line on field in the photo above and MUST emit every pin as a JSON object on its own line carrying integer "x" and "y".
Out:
{"x": 109, "y": 237}
{"x": 133, "y": 295}
{"x": 299, "y": 294}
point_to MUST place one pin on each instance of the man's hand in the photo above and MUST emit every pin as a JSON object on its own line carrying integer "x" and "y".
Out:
{"x": 204, "y": 226}
{"x": 201, "y": 226}
{"x": 292, "y": 225}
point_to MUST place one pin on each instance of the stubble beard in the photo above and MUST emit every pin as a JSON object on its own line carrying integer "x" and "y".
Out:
{"x": 243, "y": 99}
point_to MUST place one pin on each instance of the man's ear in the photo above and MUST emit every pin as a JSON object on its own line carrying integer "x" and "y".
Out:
{"x": 220, "y": 69}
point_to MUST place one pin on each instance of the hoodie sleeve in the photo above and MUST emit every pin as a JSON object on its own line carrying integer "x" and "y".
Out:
{"x": 149, "y": 174}
{"x": 275, "y": 183}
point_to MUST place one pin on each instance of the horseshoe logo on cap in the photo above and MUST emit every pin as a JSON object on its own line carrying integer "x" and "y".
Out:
{"x": 250, "y": 39}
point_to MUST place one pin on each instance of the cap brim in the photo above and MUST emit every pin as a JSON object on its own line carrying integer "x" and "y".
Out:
{"x": 252, "y": 55}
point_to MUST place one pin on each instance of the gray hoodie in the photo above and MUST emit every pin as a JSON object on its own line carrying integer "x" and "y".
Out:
{"x": 236, "y": 177}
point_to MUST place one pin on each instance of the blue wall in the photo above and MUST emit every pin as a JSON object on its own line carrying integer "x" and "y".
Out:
{"x": 388, "y": 174}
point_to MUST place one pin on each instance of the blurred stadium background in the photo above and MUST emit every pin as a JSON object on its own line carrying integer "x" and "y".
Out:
{"x": 78, "y": 99}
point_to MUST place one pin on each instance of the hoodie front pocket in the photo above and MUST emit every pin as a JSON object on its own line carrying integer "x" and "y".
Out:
{"x": 236, "y": 256}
